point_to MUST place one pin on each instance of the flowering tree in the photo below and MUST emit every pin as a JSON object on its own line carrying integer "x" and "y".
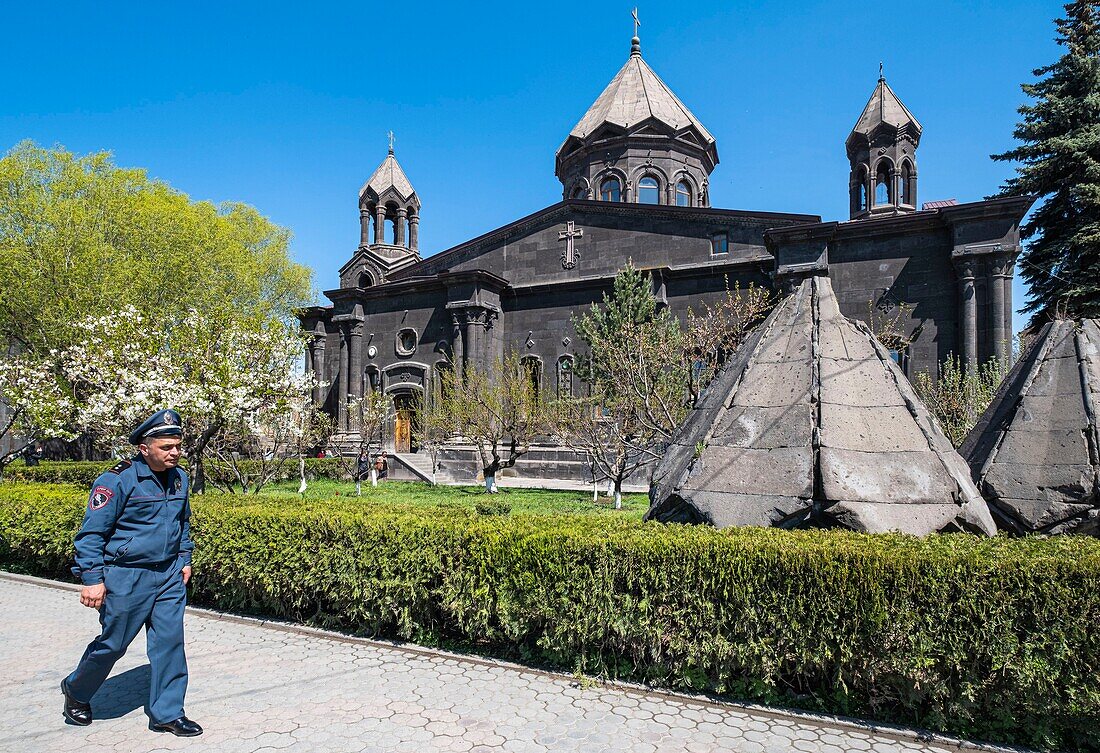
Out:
{"x": 38, "y": 406}
{"x": 218, "y": 373}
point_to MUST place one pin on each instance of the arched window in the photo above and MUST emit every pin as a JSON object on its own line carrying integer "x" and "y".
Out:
{"x": 884, "y": 193}
{"x": 365, "y": 280}
{"x": 861, "y": 192}
{"x": 611, "y": 190}
{"x": 648, "y": 191}
{"x": 719, "y": 243}
{"x": 374, "y": 379}
{"x": 532, "y": 369}
{"x": 906, "y": 183}
{"x": 683, "y": 194}
{"x": 565, "y": 376}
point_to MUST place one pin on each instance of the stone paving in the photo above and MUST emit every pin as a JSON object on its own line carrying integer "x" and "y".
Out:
{"x": 260, "y": 688}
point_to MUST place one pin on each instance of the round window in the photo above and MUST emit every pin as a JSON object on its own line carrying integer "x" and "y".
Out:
{"x": 406, "y": 342}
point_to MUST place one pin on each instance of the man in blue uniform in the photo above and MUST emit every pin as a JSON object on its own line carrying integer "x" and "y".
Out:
{"x": 133, "y": 555}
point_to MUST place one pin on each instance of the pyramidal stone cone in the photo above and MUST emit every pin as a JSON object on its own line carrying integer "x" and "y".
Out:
{"x": 811, "y": 423}
{"x": 1036, "y": 449}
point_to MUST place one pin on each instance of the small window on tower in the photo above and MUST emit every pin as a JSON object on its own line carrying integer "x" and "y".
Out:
{"x": 719, "y": 243}
{"x": 648, "y": 193}
{"x": 610, "y": 190}
{"x": 683, "y": 194}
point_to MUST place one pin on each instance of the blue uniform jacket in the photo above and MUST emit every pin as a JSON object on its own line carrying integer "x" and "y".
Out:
{"x": 132, "y": 520}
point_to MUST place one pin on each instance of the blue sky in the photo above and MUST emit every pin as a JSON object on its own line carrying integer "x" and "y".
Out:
{"x": 286, "y": 106}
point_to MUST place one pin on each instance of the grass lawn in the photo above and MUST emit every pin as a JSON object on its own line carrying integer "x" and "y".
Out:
{"x": 521, "y": 501}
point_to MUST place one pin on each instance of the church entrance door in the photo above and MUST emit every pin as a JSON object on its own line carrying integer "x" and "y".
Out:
{"x": 404, "y": 424}
{"x": 402, "y": 431}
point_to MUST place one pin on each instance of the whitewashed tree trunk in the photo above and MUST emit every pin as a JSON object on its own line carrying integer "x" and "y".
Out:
{"x": 373, "y": 476}
{"x": 302, "y": 474}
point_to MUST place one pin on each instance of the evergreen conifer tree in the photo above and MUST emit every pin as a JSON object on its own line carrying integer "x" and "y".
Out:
{"x": 1060, "y": 162}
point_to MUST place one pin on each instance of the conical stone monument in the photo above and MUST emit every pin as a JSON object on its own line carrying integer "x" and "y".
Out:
{"x": 812, "y": 424}
{"x": 1035, "y": 451}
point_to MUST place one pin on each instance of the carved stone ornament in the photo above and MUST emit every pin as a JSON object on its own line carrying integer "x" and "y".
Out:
{"x": 570, "y": 254}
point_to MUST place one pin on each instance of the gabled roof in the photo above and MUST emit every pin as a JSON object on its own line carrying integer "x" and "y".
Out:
{"x": 884, "y": 108}
{"x": 1034, "y": 450}
{"x": 811, "y": 423}
{"x": 389, "y": 175}
{"x": 637, "y": 94}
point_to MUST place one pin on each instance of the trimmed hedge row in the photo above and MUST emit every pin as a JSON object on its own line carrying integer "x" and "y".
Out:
{"x": 84, "y": 472}
{"x": 987, "y": 638}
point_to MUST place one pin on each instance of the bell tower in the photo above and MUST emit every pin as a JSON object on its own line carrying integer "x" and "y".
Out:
{"x": 389, "y": 224}
{"x": 882, "y": 150}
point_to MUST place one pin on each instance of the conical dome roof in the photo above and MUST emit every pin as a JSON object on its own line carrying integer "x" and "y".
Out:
{"x": 884, "y": 108}
{"x": 389, "y": 175}
{"x": 636, "y": 94}
{"x": 1036, "y": 449}
{"x": 811, "y": 423}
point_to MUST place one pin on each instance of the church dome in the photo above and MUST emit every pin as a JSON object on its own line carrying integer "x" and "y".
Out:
{"x": 638, "y": 130}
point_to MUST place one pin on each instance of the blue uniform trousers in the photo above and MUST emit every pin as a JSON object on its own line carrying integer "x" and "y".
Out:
{"x": 153, "y": 596}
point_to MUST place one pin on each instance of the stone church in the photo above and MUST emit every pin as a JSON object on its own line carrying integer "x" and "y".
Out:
{"x": 635, "y": 174}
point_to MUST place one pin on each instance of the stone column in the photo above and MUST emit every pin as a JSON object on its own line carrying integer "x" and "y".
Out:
{"x": 414, "y": 232}
{"x": 364, "y": 226}
{"x": 628, "y": 192}
{"x": 457, "y": 349}
{"x": 998, "y": 272}
{"x": 342, "y": 384}
{"x": 968, "y": 312}
{"x": 379, "y": 224}
{"x": 317, "y": 349}
{"x": 355, "y": 370}
{"x": 399, "y": 227}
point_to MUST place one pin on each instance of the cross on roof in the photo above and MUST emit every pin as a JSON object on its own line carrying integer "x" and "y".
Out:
{"x": 391, "y": 141}
{"x": 637, "y": 23}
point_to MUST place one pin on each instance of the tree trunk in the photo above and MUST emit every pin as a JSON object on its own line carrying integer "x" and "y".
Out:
{"x": 373, "y": 477}
{"x": 302, "y": 474}
{"x": 618, "y": 493}
{"x": 198, "y": 481}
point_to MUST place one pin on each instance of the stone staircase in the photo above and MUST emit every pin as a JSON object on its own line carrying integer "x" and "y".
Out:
{"x": 420, "y": 465}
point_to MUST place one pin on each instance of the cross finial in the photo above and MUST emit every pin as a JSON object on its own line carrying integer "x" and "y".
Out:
{"x": 391, "y": 141}
{"x": 635, "y": 43}
{"x": 881, "y": 77}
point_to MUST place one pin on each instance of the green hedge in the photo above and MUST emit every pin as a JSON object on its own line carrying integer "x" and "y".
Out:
{"x": 996, "y": 639}
{"x": 83, "y": 473}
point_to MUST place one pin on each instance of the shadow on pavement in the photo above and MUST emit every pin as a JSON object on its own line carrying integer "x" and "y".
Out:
{"x": 121, "y": 694}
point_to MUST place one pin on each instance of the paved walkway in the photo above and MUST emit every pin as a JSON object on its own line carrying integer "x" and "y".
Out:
{"x": 264, "y": 688}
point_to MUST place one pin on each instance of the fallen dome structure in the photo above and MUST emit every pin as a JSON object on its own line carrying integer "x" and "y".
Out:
{"x": 1035, "y": 451}
{"x": 812, "y": 424}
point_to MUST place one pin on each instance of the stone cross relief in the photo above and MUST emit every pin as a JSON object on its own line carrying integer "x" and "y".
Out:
{"x": 570, "y": 255}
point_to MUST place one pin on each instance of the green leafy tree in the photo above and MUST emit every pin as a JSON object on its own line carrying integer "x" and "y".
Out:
{"x": 1060, "y": 161}
{"x": 81, "y": 236}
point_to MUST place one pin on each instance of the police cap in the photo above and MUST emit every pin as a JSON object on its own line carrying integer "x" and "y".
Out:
{"x": 163, "y": 423}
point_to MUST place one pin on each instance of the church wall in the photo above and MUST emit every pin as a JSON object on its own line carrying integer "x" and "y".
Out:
{"x": 913, "y": 267}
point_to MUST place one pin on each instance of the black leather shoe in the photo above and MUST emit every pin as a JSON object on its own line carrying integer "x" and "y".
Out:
{"x": 77, "y": 712}
{"x": 182, "y": 727}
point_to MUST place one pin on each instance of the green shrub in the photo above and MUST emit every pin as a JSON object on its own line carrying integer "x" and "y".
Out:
{"x": 988, "y": 638}
{"x": 493, "y": 506}
{"x": 83, "y": 473}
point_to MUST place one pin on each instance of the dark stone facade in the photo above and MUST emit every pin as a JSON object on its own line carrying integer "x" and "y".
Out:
{"x": 519, "y": 286}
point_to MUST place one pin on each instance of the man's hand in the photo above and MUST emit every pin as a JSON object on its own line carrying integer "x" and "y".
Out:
{"x": 92, "y": 596}
{"x": 186, "y": 574}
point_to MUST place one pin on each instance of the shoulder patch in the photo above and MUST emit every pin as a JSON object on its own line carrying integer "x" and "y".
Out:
{"x": 101, "y": 495}
{"x": 120, "y": 466}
